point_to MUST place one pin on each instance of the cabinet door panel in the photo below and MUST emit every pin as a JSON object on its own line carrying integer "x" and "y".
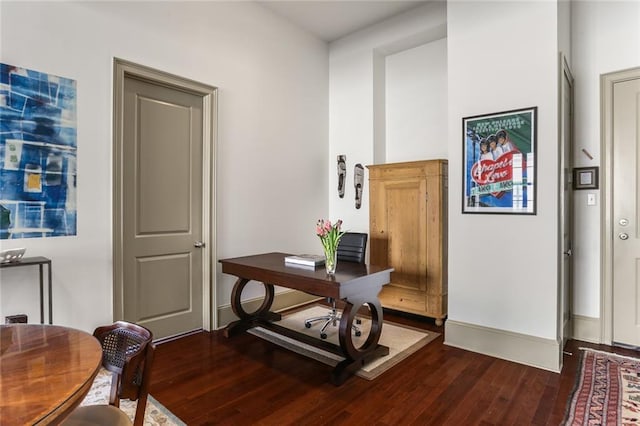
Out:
{"x": 406, "y": 226}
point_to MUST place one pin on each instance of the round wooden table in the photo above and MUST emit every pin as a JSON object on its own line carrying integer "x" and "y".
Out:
{"x": 45, "y": 372}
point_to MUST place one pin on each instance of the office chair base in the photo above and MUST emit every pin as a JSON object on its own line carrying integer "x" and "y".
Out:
{"x": 331, "y": 318}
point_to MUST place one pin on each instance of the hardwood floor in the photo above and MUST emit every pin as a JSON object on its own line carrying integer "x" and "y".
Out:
{"x": 208, "y": 379}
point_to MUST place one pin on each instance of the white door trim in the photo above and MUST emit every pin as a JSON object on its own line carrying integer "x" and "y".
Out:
{"x": 122, "y": 68}
{"x": 565, "y": 164}
{"x": 607, "y": 82}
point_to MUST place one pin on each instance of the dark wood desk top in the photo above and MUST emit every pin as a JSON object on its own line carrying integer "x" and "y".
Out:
{"x": 45, "y": 372}
{"x": 349, "y": 279}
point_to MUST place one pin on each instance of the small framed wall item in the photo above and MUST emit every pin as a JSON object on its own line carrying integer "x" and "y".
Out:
{"x": 585, "y": 178}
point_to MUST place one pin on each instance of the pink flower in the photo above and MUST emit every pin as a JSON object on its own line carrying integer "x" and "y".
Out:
{"x": 329, "y": 234}
{"x": 320, "y": 228}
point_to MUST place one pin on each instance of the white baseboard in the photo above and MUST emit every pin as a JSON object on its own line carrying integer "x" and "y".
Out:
{"x": 521, "y": 348}
{"x": 283, "y": 300}
{"x": 586, "y": 329}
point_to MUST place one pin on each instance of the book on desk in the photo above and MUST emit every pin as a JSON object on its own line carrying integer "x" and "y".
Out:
{"x": 304, "y": 260}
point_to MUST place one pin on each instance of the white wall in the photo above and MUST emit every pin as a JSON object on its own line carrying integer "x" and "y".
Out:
{"x": 271, "y": 182}
{"x": 605, "y": 38}
{"x": 355, "y": 93}
{"x": 503, "y": 274}
{"x": 503, "y": 268}
{"x": 416, "y": 103}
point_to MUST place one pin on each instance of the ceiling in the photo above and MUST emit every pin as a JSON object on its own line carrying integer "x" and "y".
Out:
{"x": 333, "y": 19}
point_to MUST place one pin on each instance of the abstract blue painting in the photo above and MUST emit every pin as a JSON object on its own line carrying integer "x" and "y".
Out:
{"x": 38, "y": 153}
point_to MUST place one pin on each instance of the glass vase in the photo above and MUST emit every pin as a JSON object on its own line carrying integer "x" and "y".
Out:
{"x": 331, "y": 261}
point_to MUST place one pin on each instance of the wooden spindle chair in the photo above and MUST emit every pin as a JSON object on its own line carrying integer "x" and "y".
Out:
{"x": 127, "y": 352}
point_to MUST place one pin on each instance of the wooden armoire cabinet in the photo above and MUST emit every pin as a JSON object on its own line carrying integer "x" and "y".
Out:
{"x": 408, "y": 231}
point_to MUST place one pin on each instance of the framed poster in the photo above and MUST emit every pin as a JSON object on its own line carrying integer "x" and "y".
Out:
{"x": 499, "y": 164}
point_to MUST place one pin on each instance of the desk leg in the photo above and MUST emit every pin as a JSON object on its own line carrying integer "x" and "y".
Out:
{"x": 249, "y": 320}
{"x": 50, "y": 295}
{"x": 357, "y": 357}
{"x": 41, "y": 295}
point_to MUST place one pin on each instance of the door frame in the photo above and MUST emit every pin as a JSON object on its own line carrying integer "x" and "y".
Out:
{"x": 122, "y": 69}
{"x": 607, "y": 82}
{"x": 565, "y": 165}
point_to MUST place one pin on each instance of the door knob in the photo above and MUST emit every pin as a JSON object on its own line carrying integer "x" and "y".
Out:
{"x": 623, "y": 236}
{"x": 199, "y": 244}
{"x": 568, "y": 253}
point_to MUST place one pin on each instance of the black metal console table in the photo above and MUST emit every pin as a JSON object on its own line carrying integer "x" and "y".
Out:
{"x": 40, "y": 261}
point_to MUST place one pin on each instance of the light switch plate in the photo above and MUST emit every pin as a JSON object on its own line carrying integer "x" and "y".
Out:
{"x": 591, "y": 199}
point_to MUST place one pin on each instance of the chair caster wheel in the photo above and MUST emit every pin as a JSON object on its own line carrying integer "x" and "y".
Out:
{"x": 323, "y": 335}
{"x": 358, "y": 321}
{"x": 307, "y": 325}
{"x": 358, "y": 333}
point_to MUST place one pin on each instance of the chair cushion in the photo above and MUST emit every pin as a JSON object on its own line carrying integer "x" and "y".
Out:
{"x": 90, "y": 415}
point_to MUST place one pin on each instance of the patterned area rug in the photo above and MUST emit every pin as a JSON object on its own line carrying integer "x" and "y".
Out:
{"x": 401, "y": 340}
{"x": 155, "y": 414}
{"x": 607, "y": 391}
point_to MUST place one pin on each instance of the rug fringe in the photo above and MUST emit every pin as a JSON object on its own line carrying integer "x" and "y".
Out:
{"x": 609, "y": 353}
{"x": 569, "y": 409}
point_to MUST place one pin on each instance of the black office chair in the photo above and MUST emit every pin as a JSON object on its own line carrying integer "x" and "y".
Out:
{"x": 351, "y": 248}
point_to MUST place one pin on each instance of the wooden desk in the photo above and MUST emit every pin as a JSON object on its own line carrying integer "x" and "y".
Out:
{"x": 45, "y": 372}
{"x": 40, "y": 262}
{"x": 353, "y": 283}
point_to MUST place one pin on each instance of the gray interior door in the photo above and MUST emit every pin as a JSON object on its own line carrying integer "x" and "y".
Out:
{"x": 626, "y": 213}
{"x": 162, "y": 167}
